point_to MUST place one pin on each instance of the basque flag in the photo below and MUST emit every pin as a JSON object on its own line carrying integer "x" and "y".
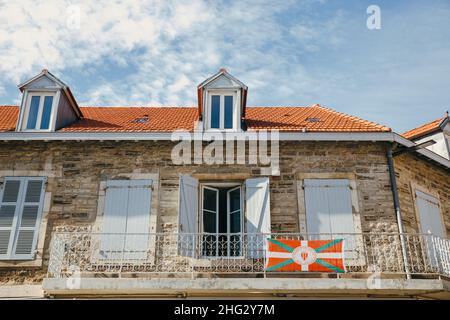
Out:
{"x": 302, "y": 255}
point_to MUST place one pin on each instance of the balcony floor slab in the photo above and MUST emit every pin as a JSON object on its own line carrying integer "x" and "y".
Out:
{"x": 247, "y": 287}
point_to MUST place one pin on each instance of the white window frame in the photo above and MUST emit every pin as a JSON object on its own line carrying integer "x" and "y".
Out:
{"x": 214, "y": 185}
{"x": 26, "y": 110}
{"x": 236, "y": 109}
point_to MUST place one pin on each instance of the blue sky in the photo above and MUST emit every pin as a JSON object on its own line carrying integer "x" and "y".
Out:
{"x": 288, "y": 52}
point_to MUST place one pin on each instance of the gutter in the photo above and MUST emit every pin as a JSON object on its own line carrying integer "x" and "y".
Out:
{"x": 123, "y": 136}
{"x": 398, "y": 213}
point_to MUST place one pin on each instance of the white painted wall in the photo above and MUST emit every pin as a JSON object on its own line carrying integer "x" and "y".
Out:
{"x": 441, "y": 147}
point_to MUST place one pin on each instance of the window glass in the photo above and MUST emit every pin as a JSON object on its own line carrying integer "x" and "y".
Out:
{"x": 228, "y": 112}
{"x": 46, "y": 112}
{"x": 33, "y": 112}
{"x": 215, "y": 112}
{"x": 210, "y": 200}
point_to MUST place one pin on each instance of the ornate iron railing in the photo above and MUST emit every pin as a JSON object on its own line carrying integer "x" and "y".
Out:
{"x": 160, "y": 254}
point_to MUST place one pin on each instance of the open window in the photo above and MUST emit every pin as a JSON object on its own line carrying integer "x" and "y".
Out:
{"x": 223, "y": 219}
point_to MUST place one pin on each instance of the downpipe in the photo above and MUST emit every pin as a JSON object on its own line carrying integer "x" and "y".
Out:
{"x": 398, "y": 214}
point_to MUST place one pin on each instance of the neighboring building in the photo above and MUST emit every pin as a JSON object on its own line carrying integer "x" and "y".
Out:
{"x": 107, "y": 201}
{"x": 437, "y": 131}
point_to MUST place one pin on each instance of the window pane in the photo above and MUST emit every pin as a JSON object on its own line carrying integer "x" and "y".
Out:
{"x": 228, "y": 112}
{"x": 209, "y": 221}
{"x": 235, "y": 222}
{"x": 46, "y": 112}
{"x": 215, "y": 112}
{"x": 235, "y": 200}
{"x": 33, "y": 113}
{"x": 210, "y": 200}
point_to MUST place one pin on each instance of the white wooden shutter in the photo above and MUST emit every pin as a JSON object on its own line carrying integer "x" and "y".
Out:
{"x": 8, "y": 212}
{"x": 138, "y": 219}
{"x": 114, "y": 223}
{"x": 329, "y": 213}
{"x": 328, "y": 206}
{"x": 126, "y": 220}
{"x": 29, "y": 219}
{"x": 430, "y": 223}
{"x": 20, "y": 217}
{"x": 257, "y": 200}
{"x": 187, "y": 215}
{"x": 429, "y": 214}
{"x": 317, "y": 210}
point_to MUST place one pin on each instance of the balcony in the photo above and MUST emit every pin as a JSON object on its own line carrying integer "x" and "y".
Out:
{"x": 176, "y": 263}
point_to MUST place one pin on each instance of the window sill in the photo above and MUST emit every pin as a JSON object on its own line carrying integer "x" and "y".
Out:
{"x": 20, "y": 263}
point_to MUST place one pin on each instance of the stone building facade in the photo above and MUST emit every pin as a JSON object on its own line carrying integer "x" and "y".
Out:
{"x": 318, "y": 148}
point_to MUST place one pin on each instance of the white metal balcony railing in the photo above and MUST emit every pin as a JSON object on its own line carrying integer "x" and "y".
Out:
{"x": 91, "y": 254}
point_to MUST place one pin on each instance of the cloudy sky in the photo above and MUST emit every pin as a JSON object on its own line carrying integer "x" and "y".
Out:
{"x": 136, "y": 52}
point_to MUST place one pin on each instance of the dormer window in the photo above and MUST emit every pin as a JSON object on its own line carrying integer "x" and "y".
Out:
{"x": 38, "y": 112}
{"x": 47, "y": 104}
{"x": 221, "y": 111}
{"x": 221, "y": 102}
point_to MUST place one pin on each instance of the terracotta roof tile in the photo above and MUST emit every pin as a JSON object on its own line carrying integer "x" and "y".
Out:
{"x": 424, "y": 129}
{"x": 162, "y": 119}
{"x": 315, "y": 118}
{"x": 8, "y": 118}
{"x": 127, "y": 119}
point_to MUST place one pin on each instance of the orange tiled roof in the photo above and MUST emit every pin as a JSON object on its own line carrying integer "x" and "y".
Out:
{"x": 8, "y": 118}
{"x": 162, "y": 119}
{"x": 424, "y": 129}
{"x": 314, "y": 118}
{"x": 126, "y": 119}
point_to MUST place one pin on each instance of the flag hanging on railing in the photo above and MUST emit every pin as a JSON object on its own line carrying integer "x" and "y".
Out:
{"x": 302, "y": 255}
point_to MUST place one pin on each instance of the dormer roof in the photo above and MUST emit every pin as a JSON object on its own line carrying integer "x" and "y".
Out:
{"x": 45, "y": 79}
{"x": 428, "y": 128}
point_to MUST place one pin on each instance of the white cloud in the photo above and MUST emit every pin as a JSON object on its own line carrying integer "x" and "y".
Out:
{"x": 154, "y": 52}
{"x": 170, "y": 46}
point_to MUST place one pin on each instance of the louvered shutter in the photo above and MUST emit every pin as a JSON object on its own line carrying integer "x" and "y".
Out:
{"x": 8, "y": 212}
{"x": 257, "y": 200}
{"x": 29, "y": 219}
{"x": 187, "y": 215}
{"x": 20, "y": 217}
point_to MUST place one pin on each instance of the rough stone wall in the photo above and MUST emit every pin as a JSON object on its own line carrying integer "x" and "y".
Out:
{"x": 410, "y": 171}
{"x": 79, "y": 167}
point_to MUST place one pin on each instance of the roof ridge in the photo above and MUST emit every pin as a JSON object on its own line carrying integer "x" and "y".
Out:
{"x": 345, "y": 115}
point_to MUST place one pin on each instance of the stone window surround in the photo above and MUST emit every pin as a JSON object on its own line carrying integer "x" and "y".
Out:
{"x": 416, "y": 187}
{"x": 356, "y": 201}
{"x": 37, "y": 262}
